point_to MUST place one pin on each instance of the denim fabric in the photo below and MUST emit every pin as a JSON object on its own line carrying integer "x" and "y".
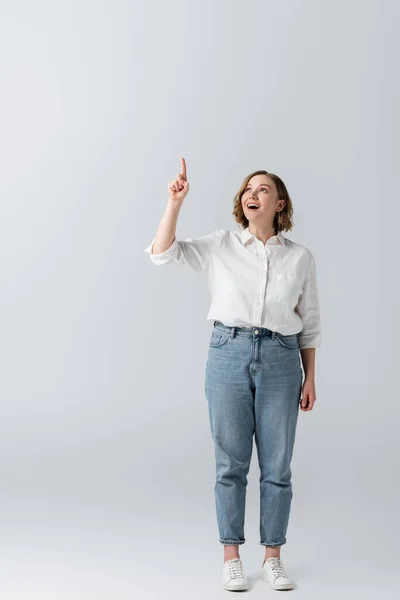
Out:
{"x": 253, "y": 386}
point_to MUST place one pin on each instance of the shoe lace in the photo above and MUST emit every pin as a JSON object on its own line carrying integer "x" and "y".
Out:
{"x": 235, "y": 568}
{"x": 277, "y": 567}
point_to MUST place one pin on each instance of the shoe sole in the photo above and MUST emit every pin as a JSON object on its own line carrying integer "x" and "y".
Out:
{"x": 278, "y": 586}
{"x": 236, "y": 588}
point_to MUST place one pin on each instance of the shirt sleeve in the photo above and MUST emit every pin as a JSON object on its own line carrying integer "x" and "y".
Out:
{"x": 308, "y": 309}
{"x": 193, "y": 252}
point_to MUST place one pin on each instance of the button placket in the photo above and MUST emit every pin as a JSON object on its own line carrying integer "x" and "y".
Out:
{"x": 259, "y": 303}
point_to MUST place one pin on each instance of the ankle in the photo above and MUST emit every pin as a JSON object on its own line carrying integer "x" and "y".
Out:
{"x": 231, "y": 552}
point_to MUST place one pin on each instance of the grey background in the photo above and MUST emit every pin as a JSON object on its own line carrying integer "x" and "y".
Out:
{"x": 106, "y": 459}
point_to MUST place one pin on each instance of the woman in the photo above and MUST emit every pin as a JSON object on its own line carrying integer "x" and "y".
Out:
{"x": 265, "y": 308}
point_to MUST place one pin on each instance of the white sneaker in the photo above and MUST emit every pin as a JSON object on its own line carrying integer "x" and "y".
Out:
{"x": 273, "y": 572}
{"x": 233, "y": 577}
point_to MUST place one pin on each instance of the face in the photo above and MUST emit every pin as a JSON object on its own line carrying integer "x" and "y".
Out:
{"x": 261, "y": 191}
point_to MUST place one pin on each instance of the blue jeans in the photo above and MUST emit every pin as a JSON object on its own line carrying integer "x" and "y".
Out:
{"x": 253, "y": 386}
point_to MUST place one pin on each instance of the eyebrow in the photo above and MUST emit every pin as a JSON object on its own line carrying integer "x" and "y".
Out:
{"x": 261, "y": 185}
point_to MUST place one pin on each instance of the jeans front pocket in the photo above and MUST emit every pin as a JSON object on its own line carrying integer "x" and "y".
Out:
{"x": 290, "y": 341}
{"x": 218, "y": 338}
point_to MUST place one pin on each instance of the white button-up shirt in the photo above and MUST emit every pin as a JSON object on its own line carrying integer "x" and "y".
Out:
{"x": 253, "y": 284}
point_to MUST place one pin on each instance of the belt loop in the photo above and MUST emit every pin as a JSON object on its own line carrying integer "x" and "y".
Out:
{"x": 233, "y": 332}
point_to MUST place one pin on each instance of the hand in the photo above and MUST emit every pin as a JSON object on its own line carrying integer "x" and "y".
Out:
{"x": 308, "y": 395}
{"x": 179, "y": 188}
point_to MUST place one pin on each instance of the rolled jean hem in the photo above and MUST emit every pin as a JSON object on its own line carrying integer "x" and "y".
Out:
{"x": 273, "y": 543}
{"x": 232, "y": 542}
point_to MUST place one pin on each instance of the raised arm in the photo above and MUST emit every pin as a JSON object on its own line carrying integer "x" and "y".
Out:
{"x": 165, "y": 248}
{"x": 177, "y": 192}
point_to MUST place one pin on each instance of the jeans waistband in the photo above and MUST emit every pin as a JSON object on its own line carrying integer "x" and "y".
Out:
{"x": 234, "y": 329}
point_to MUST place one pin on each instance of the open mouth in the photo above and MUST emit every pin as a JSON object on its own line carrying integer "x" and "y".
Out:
{"x": 252, "y": 206}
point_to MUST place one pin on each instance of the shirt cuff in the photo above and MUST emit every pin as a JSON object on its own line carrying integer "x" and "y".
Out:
{"x": 313, "y": 341}
{"x": 163, "y": 257}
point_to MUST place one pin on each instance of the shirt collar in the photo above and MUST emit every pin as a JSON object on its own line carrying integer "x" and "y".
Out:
{"x": 275, "y": 239}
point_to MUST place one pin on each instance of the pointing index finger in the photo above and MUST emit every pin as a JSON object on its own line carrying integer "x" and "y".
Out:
{"x": 183, "y": 168}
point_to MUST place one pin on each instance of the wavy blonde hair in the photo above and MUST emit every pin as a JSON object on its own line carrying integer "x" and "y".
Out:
{"x": 285, "y": 222}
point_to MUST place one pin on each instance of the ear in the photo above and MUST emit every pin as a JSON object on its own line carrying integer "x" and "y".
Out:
{"x": 282, "y": 203}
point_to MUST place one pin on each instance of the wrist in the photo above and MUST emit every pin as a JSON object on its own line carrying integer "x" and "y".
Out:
{"x": 173, "y": 205}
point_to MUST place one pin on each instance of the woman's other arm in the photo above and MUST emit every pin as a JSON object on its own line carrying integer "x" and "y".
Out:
{"x": 310, "y": 337}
